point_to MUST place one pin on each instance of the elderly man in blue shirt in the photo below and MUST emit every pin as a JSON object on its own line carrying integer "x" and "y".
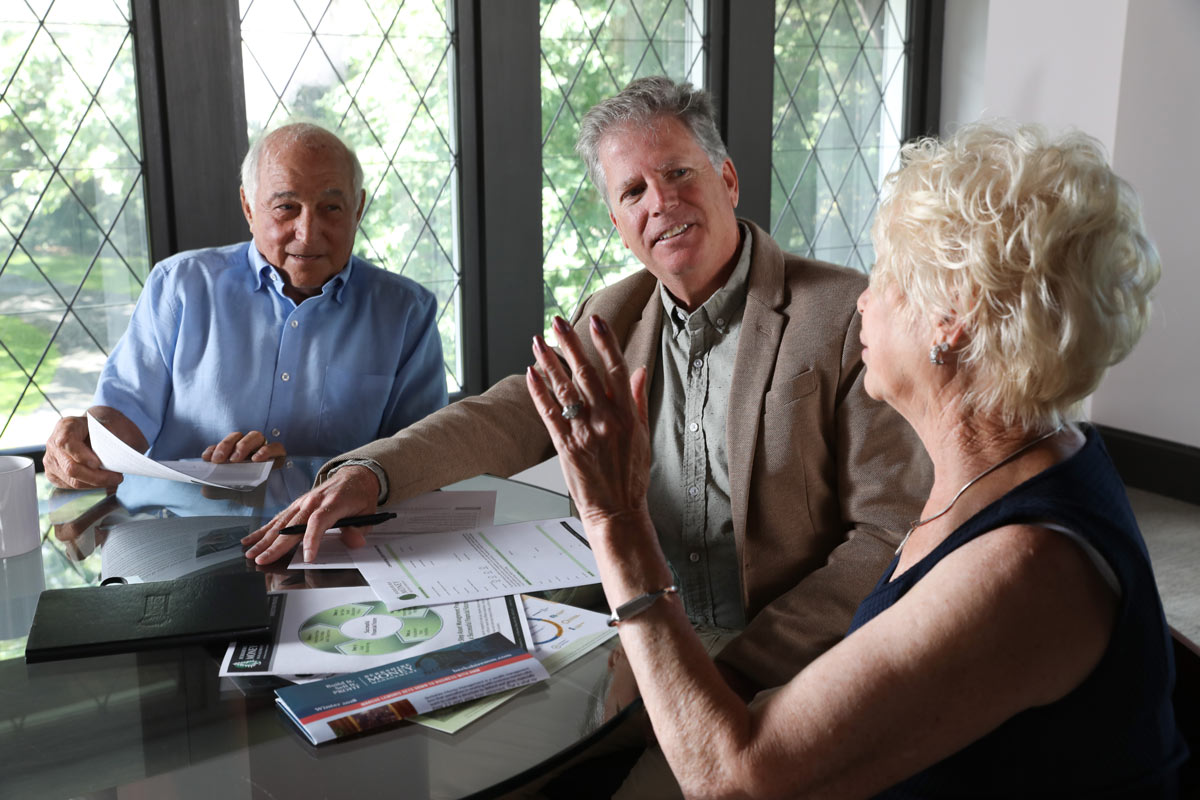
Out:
{"x": 290, "y": 337}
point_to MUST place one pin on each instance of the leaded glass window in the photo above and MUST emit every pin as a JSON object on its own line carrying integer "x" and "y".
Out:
{"x": 381, "y": 73}
{"x": 72, "y": 212}
{"x": 838, "y": 103}
{"x": 590, "y": 50}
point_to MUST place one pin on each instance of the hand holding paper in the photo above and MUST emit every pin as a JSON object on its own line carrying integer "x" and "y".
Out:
{"x": 70, "y": 461}
{"x": 117, "y": 456}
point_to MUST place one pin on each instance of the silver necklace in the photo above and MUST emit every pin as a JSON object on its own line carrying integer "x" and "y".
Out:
{"x": 912, "y": 526}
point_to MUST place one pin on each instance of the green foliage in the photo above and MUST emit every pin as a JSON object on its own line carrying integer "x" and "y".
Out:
{"x": 72, "y": 215}
{"x": 838, "y": 97}
{"x": 26, "y": 343}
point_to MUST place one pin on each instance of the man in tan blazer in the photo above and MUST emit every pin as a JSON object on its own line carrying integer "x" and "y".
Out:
{"x": 781, "y": 513}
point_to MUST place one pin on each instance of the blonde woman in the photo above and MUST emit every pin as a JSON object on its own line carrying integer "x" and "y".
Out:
{"x": 1016, "y": 646}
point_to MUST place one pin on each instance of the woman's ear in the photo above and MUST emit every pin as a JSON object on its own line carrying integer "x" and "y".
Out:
{"x": 952, "y": 330}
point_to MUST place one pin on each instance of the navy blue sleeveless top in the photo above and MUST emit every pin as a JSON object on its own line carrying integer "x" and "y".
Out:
{"x": 1114, "y": 735}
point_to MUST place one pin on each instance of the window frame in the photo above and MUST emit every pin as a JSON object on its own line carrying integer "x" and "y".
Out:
{"x": 193, "y": 121}
{"x": 749, "y": 65}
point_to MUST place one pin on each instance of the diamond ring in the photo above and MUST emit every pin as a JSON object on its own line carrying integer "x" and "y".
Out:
{"x": 571, "y": 410}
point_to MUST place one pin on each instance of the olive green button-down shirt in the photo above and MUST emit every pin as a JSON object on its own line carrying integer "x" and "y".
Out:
{"x": 689, "y": 475}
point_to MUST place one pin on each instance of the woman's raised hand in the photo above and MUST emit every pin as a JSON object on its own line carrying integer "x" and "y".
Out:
{"x": 597, "y": 420}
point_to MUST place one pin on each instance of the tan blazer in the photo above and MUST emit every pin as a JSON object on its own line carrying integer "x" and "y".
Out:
{"x": 822, "y": 478}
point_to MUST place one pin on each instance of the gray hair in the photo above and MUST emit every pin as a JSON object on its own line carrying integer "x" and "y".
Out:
{"x": 288, "y": 135}
{"x": 641, "y": 103}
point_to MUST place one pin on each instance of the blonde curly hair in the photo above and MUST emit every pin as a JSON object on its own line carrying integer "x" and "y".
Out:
{"x": 1036, "y": 246}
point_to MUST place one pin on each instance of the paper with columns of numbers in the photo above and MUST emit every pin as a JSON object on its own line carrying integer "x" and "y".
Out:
{"x": 428, "y": 568}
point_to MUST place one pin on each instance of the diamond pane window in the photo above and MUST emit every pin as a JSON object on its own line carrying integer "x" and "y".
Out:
{"x": 72, "y": 212}
{"x": 838, "y": 103}
{"x": 590, "y": 50}
{"x": 381, "y": 74}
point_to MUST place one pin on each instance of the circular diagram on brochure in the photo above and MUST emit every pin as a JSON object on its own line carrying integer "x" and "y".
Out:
{"x": 369, "y": 629}
{"x": 544, "y": 631}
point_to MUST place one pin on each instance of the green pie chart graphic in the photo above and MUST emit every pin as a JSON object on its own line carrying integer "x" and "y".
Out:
{"x": 369, "y": 629}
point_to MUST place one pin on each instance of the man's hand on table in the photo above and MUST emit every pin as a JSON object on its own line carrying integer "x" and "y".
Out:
{"x": 349, "y": 492}
{"x": 71, "y": 463}
{"x": 251, "y": 447}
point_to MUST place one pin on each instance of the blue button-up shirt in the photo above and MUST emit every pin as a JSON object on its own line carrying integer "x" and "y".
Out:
{"x": 215, "y": 346}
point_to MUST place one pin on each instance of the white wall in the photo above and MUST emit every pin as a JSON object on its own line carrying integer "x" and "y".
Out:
{"x": 1156, "y": 390}
{"x": 1127, "y": 73}
{"x": 964, "y": 49}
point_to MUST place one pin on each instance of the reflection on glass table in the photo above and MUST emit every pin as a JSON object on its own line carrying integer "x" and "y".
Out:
{"x": 162, "y": 724}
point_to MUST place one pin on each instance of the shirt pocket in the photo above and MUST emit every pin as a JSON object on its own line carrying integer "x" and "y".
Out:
{"x": 352, "y": 407}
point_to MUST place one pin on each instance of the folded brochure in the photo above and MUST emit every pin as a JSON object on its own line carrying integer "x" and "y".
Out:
{"x": 560, "y": 635}
{"x": 347, "y": 629}
{"x": 347, "y": 705}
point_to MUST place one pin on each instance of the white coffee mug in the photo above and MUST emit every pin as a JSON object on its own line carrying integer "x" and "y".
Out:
{"x": 22, "y": 580}
{"x": 19, "y": 531}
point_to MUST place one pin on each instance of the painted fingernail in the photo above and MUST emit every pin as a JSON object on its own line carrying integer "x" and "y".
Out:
{"x": 599, "y": 325}
{"x": 560, "y": 325}
{"x": 538, "y": 345}
{"x": 307, "y": 556}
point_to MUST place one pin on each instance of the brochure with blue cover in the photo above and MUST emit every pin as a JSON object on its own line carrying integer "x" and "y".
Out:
{"x": 358, "y": 702}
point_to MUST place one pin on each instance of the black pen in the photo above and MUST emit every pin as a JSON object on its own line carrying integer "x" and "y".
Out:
{"x": 346, "y": 522}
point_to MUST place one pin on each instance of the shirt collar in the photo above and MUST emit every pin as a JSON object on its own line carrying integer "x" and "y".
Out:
{"x": 719, "y": 309}
{"x": 263, "y": 274}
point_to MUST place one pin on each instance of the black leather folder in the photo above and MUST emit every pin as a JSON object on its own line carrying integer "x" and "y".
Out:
{"x": 99, "y": 620}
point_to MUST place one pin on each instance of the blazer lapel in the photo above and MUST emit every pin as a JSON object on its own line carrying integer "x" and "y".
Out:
{"x": 758, "y": 346}
{"x": 641, "y": 346}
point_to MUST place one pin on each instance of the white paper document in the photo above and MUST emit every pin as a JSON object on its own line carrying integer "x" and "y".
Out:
{"x": 435, "y": 512}
{"x": 421, "y": 569}
{"x": 347, "y": 629}
{"x": 117, "y": 456}
{"x": 165, "y": 549}
{"x": 563, "y": 633}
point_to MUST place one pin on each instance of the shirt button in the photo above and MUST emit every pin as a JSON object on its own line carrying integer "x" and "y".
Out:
{"x": 295, "y": 323}
{"x": 693, "y": 557}
{"x": 693, "y": 427}
{"x": 285, "y": 377}
{"x": 693, "y": 491}
{"x": 275, "y": 432}
{"x": 720, "y": 322}
{"x": 698, "y": 363}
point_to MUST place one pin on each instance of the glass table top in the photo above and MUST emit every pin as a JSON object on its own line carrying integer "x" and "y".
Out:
{"x": 162, "y": 723}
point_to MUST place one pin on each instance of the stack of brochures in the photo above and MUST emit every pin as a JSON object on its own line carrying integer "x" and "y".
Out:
{"x": 323, "y": 635}
{"x": 440, "y": 578}
{"x": 348, "y": 705}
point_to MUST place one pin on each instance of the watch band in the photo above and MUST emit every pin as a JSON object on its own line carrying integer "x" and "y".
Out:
{"x": 629, "y": 610}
